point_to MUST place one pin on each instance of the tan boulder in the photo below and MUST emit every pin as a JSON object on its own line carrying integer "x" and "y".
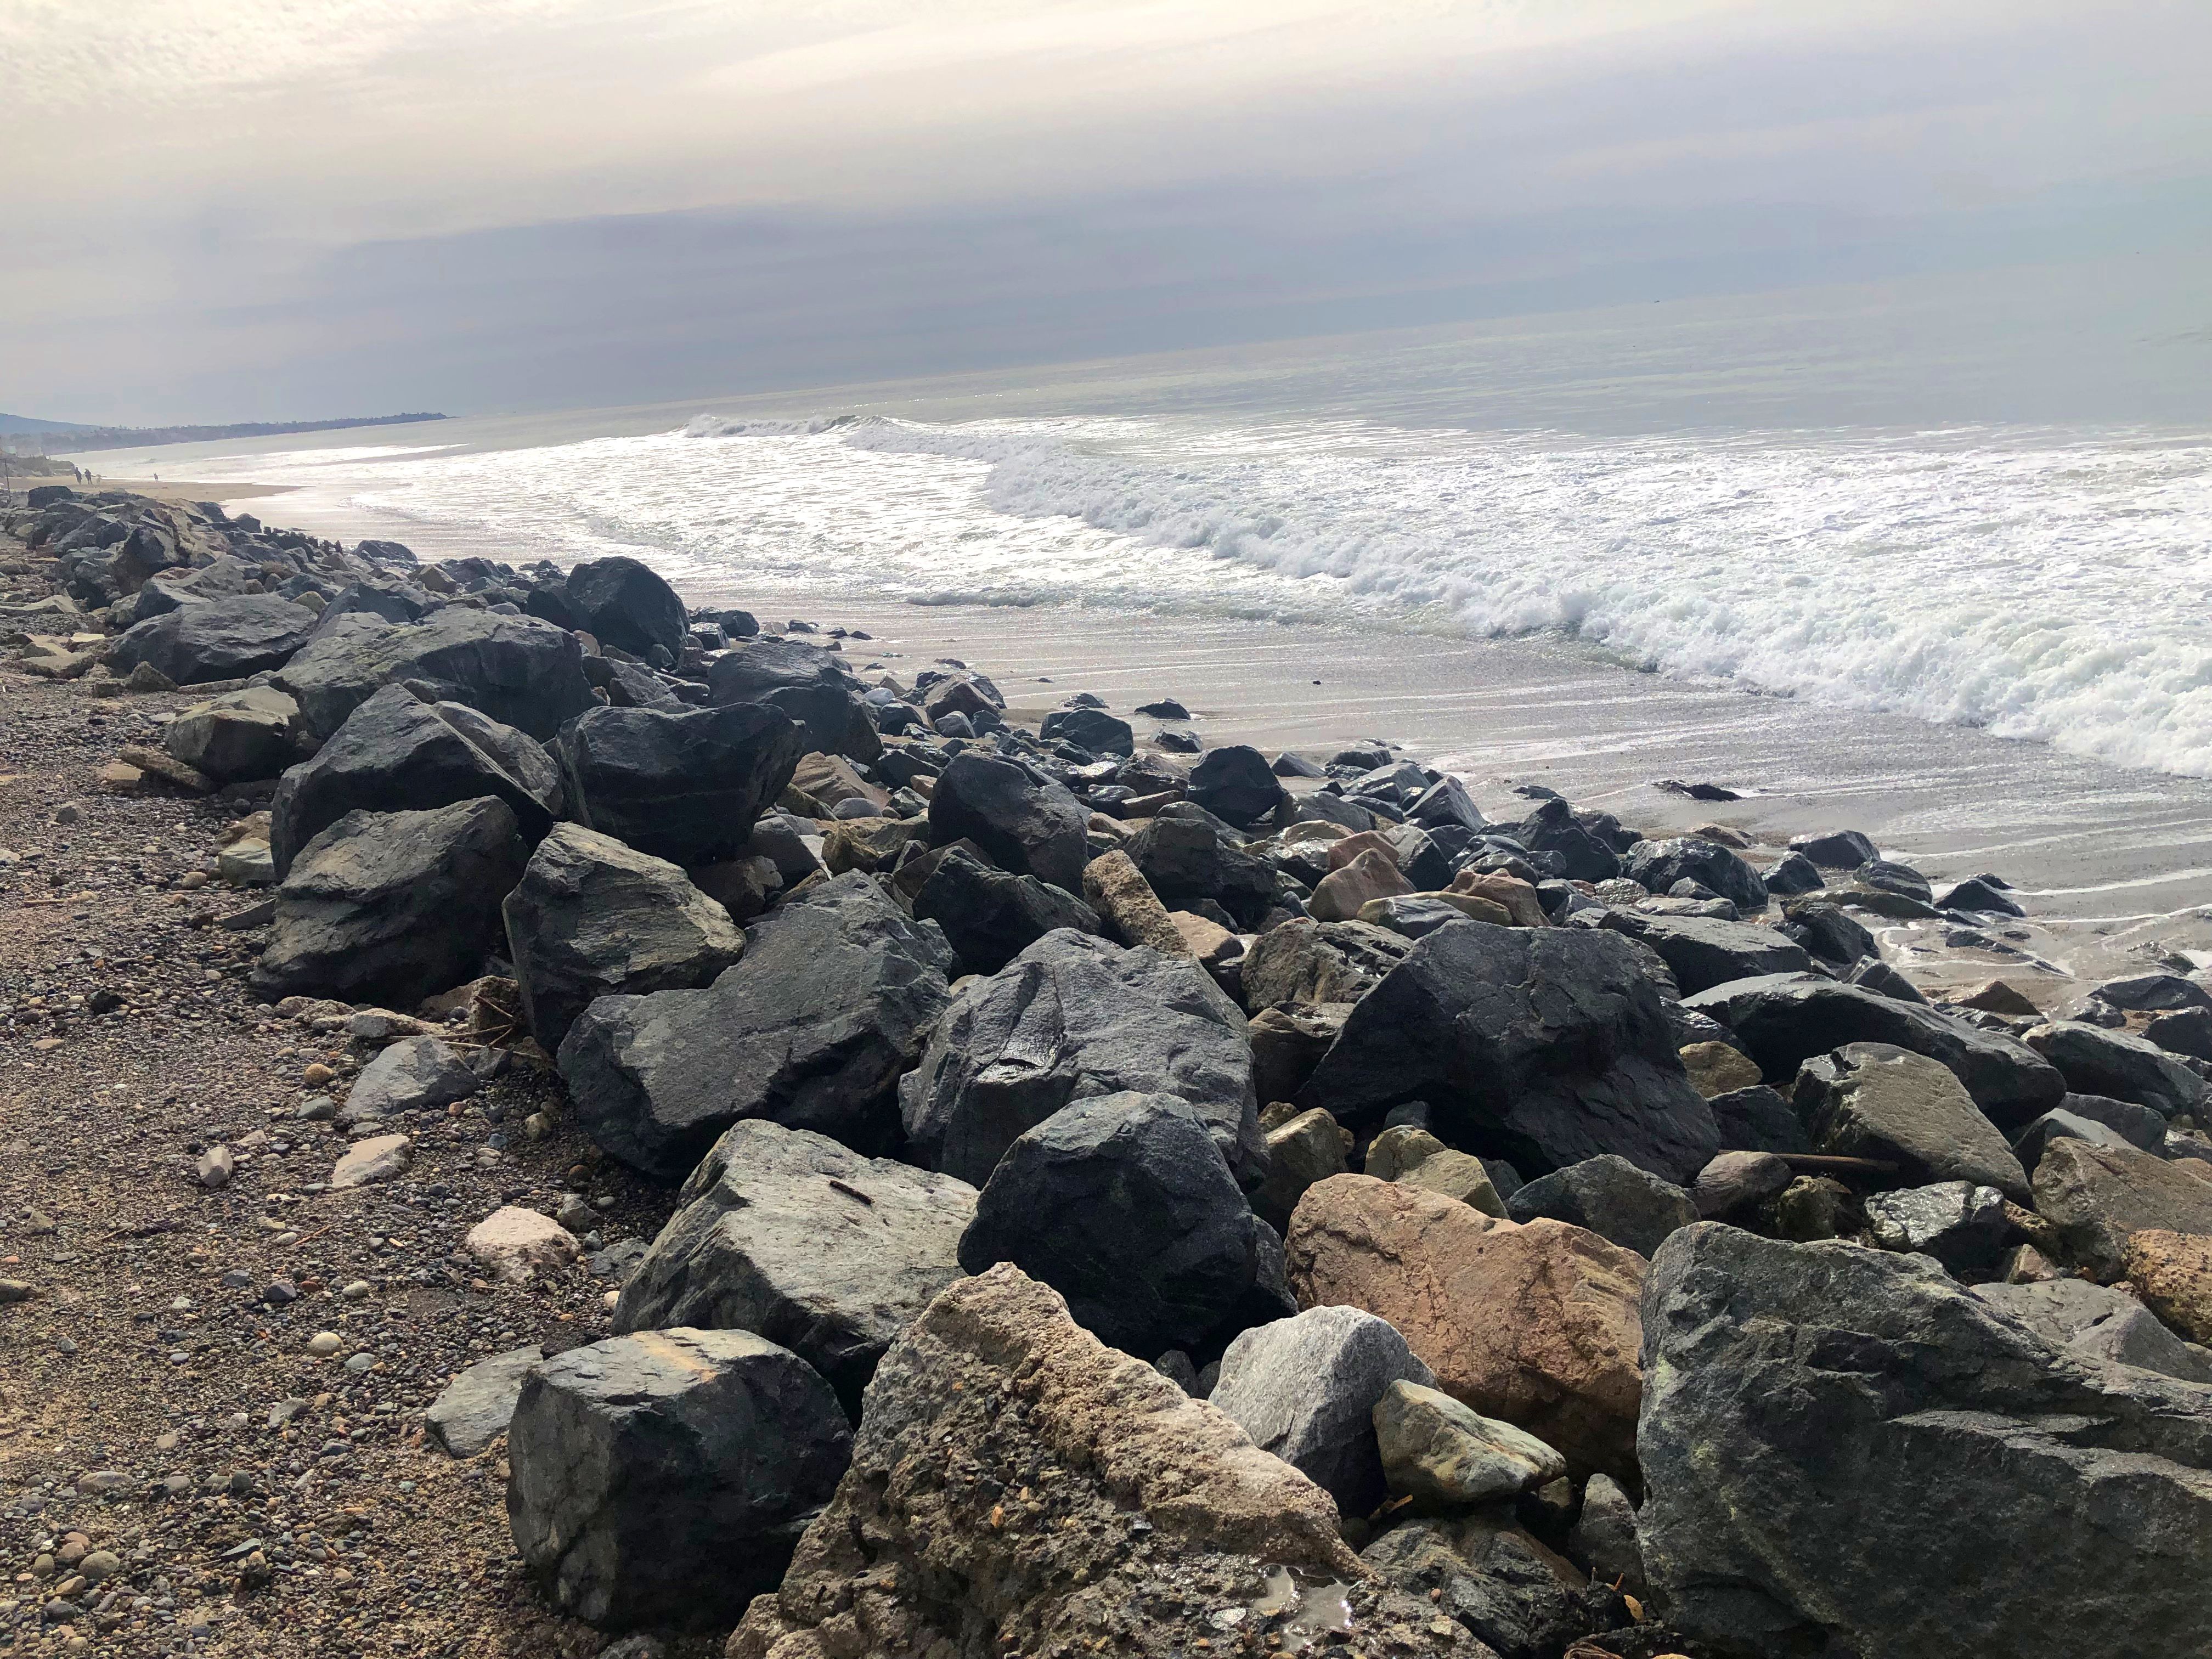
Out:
{"x": 1535, "y": 1324}
{"x": 1456, "y": 1175}
{"x": 2098, "y": 1197}
{"x": 1124, "y": 902}
{"x": 825, "y": 782}
{"x": 1348, "y": 849}
{"x": 2172, "y": 1274}
{"x": 1468, "y": 904}
{"x": 1518, "y": 896}
{"x": 1398, "y": 1149}
{"x": 1716, "y": 1069}
{"x": 872, "y": 845}
{"x": 1208, "y": 941}
{"x": 1340, "y": 893}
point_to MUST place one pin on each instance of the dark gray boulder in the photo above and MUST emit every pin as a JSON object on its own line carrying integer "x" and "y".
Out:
{"x": 1878, "y": 976}
{"x": 1782, "y": 1020}
{"x": 2099, "y": 1324}
{"x": 1703, "y": 952}
{"x": 684, "y": 784}
{"x": 1543, "y": 1046}
{"x": 250, "y": 733}
{"x": 415, "y": 1074}
{"x": 1514, "y": 1593}
{"x": 1838, "y": 849}
{"x": 1610, "y": 1197}
{"x": 808, "y": 685}
{"x": 665, "y": 1478}
{"x": 1071, "y": 1017}
{"x": 1962, "y": 1225}
{"x": 1302, "y": 963}
{"x": 394, "y": 754}
{"x": 523, "y": 672}
{"x": 1828, "y": 931}
{"x": 621, "y": 602}
{"x": 390, "y": 908}
{"x": 224, "y": 639}
{"x": 2096, "y": 1061}
{"x": 788, "y": 1234}
{"x": 1024, "y": 821}
{"x": 2139, "y": 1126}
{"x": 593, "y": 917}
{"x": 1658, "y": 865}
{"x": 1237, "y": 784}
{"x": 1844, "y": 1451}
{"x": 393, "y": 601}
{"x": 1759, "y": 1119}
{"x": 229, "y": 577}
{"x": 1978, "y": 897}
{"x": 2184, "y": 1031}
{"x": 836, "y": 994}
{"x": 989, "y": 916}
{"x": 1553, "y": 828}
{"x": 2153, "y": 994}
{"x": 1093, "y": 729}
{"x": 1123, "y": 1204}
{"x": 1875, "y": 1100}
{"x": 2035, "y": 1140}
{"x": 1184, "y": 860}
{"x": 474, "y": 1409}
{"x": 1792, "y": 874}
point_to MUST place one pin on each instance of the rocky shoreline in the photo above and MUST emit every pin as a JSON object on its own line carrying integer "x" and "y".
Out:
{"x": 541, "y": 1119}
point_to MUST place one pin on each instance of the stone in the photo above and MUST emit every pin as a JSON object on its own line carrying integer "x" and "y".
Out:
{"x": 1820, "y": 1417}
{"x": 1089, "y": 728}
{"x": 2153, "y": 993}
{"x": 249, "y": 733}
{"x": 1518, "y": 899}
{"x": 519, "y": 670}
{"x": 1188, "y": 862}
{"x": 1535, "y": 1324}
{"x": 1161, "y": 1520}
{"x": 2036, "y": 1139}
{"x": 1341, "y": 893}
{"x": 1837, "y": 849}
{"x": 1610, "y": 1197}
{"x": 1703, "y": 952}
{"x": 1792, "y": 874}
{"x": 1542, "y": 1046}
{"x": 215, "y": 1168}
{"x": 1874, "y": 1100}
{"x": 836, "y": 994}
{"x": 474, "y": 1409}
{"x": 1878, "y": 976}
{"x": 2184, "y": 1032}
{"x": 2172, "y": 1273}
{"x": 1456, "y": 1175}
{"x": 1124, "y": 1205}
{"x": 1715, "y": 1068}
{"x": 1071, "y": 1017}
{"x": 1416, "y": 915}
{"x": 620, "y": 602}
{"x": 1023, "y": 822}
{"x": 593, "y": 917}
{"x": 1827, "y": 932}
{"x": 990, "y": 916}
{"x": 2100, "y": 1323}
{"x": 1445, "y": 1456}
{"x": 1306, "y": 1388}
{"x": 1126, "y": 905}
{"x": 1997, "y": 997}
{"x": 218, "y": 639}
{"x": 1516, "y": 1595}
{"x": 1784, "y": 1020}
{"x": 1978, "y": 897}
{"x": 687, "y": 785}
{"x": 1604, "y": 1539}
{"x": 1301, "y": 1150}
{"x": 2097, "y": 1196}
{"x": 1235, "y": 783}
{"x": 1302, "y": 963}
{"x": 415, "y": 1074}
{"x": 160, "y": 764}
{"x": 1759, "y": 1119}
{"x": 373, "y": 1159}
{"x": 1553, "y": 829}
{"x": 1962, "y": 1225}
{"x": 2096, "y": 1061}
{"x": 664, "y": 1477}
{"x": 515, "y": 1245}
{"x": 1658, "y": 865}
{"x": 808, "y": 685}
{"x": 1398, "y": 1151}
{"x": 247, "y": 862}
{"x": 786, "y": 1234}
{"x": 1737, "y": 1186}
{"x": 385, "y": 906}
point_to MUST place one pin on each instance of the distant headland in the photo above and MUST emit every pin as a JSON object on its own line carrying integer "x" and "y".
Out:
{"x": 64, "y": 435}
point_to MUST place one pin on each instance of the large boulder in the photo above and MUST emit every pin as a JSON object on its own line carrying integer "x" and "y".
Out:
{"x": 2096, "y": 1196}
{"x": 1782, "y": 1020}
{"x": 224, "y": 639}
{"x": 1872, "y": 1100}
{"x": 250, "y": 733}
{"x": 786, "y": 1233}
{"x": 808, "y": 685}
{"x": 392, "y": 907}
{"x": 475, "y": 1408}
{"x": 1540, "y": 1045}
{"x": 1124, "y": 1205}
{"x": 1305, "y": 1389}
{"x": 1535, "y": 1324}
{"x": 619, "y": 602}
{"x": 1610, "y": 1197}
{"x": 2121, "y": 1065}
{"x": 416, "y": 1074}
{"x": 1302, "y": 963}
{"x": 991, "y": 916}
{"x": 1553, "y": 828}
{"x": 394, "y": 754}
{"x": 1185, "y": 860}
{"x": 1091, "y": 729}
{"x": 835, "y": 995}
{"x": 1073, "y": 1016}
{"x": 664, "y": 1478}
{"x": 1658, "y": 865}
{"x": 1705, "y": 951}
{"x": 523, "y": 672}
{"x": 1845, "y": 1452}
{"x": 1514, "y": 1593}
{"x": 593, "y": 918}
{"x": 2101, "y": 1323}
{"x": 686, "y": 784}
{"x": 1024, "y": 821}
{"x": 1235, "y": 783}
{"x": 1160, "y": 1511}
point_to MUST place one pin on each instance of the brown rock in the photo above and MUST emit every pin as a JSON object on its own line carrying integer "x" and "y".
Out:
{"x": 1998, "y": 998}
{"x": 1399, "y": 1150}
{"x": 1536, "y": 1324}
{"x": 1347, "y": 849}
{"x": 1372, "y": 875}
{"x": 1288, "y": 1043}
{"x": 869, "y": 844}
{"x": 1208, "y": 941}
{"x": 1456, "y": 1175}
{"x": 161, "y": 763}
{"x": 1717, "y": 1069}
{"x": 1124, "y": 902}
{"x": 1517, "y": 897}
{"x": 2172, "y": 1274}
{"x": 513, "y": 1243}
{"x": 1302, "y": 1148}
{"x": 2098, "y": 1196}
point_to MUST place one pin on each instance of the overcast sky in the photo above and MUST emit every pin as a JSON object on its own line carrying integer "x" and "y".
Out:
{"x": 233, "y": 209}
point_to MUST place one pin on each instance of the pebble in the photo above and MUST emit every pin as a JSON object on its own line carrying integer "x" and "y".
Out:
{"x": 360, "y": 1288}
{"x": 214, "y": 1169}
{"x": 324, "y": 1344}
{"x": 318, "y": 1074}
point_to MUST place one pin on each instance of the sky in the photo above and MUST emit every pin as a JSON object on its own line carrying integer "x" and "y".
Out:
{"x": 269, "y": 210}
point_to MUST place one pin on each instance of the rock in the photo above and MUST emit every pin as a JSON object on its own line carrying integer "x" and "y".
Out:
{"x": 1288, "y": 1043}
{"x": 786, "y": 1234}
{"x": 1978, "y": 897}
{"x": 1188, "y": 862}
{"x": 2153, "y": 993}
{"x": 2099, "y": 1324}
{"x": 415, "y": 1074}
{"x": 2056, "y": 1126}
{"x": 1305, "y": 1389}
{"x": 1235, "y": 783}
{"x": 1604, "y": 1539}
{"x": 834, "y": 997}
{"x": 1518, "y": 1597}
{"x": 1542, "y": 1046}
{"x": 1123, "y": 1204}
{"x": 245, "y": 734}
{"x": 1443, "y": 1456}
{"x": 381, "y": 907}
{"x": 808, "y": 685}
{"x": 1400, "y": 1150}
{"x": 1126, "y": 906}
{"x": 1658, "y": 865}
{"x": 1703, "y": 952}
{"x": 1715, "y": 1068}
{"x": 1610, "y": 1197}
{"x": 475, "y": 1408}
{"x": 1342, "y": 892}
{"x": 1872, "y": 1100}
{"x": 1878, "y": 976}
{"x": 664, "y": 1478}
{"x": 1792, "y": 874}
{"x": 2139, "y": 1126}
{"x": 246, "y": 862}
{"x": 214, "y": 1169}
{"x": 1417, "y": 914}
{"x": 1824, "y": 930}
{"x": 683, "y": 784}
{"x": 1997, "y": 997}
{"x": 1025, "y": 823}
{"x": 1301, "y": 1150}
{"x": 1535, "y": 1324}
{"x": 2172, "y": 1273}
{"x": 1784, "y": 1020}
{"x": 2184, "y": 1032}
{"x": 1962, "y": 1225}
{"x": 1089, "y": 728}
{"x": 1163, "y": 1517}
{"x": 2096, "y": 1061}
{"x": 989, "y": 916}
{"x": 373, "y": 1159}
{"x": 1456, "y": 1175}
{"x": 593, "y": 917}
{"x": 1302, "y": 963}
{"x": 1838, "y": 849}
{"x": 1071, "y": 1017}
{"x": 2096, "y": 1196}
{"x": 519, "y": 670}
{"x": 515, "y": 1245}
{"x": 223, "y": 639}
{"x": 1518, "y": 899}
{"x": 1819, "y": 1418}
{"x": 1737, "y": 1186}
{"x": 619, "y": 602}
{"x": 1553, "y": 828}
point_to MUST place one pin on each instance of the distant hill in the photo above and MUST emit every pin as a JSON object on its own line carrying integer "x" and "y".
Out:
{"x": 130, "y": 437}
{"x": 9, "y": 423}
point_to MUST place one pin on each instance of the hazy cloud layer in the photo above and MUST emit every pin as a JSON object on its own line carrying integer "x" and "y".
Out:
{"x": 233, "y": 208}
